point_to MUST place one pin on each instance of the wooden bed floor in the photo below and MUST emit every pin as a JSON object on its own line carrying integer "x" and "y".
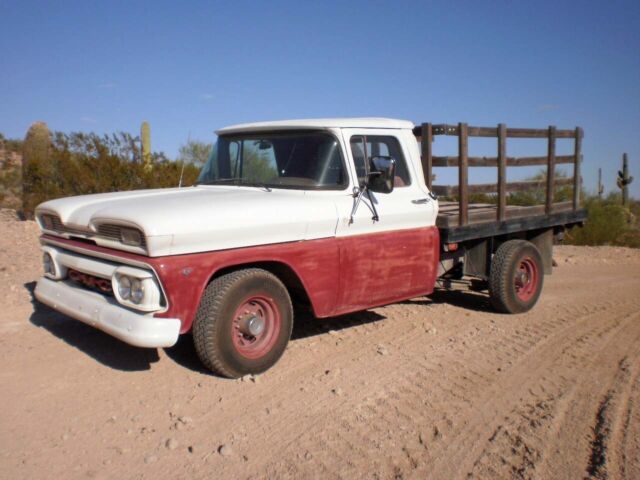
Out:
{"x": 485, "y": 212}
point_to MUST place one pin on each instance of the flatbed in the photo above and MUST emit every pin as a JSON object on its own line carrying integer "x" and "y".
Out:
{"x": 460, "y": 221}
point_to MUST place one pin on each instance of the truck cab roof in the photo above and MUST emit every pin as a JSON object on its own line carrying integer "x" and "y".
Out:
{"x": 318, "y": 123}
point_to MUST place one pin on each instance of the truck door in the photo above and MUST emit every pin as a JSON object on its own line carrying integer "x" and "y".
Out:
{"x": 395, "y": 257}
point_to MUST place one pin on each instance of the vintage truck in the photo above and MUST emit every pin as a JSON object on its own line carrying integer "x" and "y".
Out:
{"x": 339, "y": 215}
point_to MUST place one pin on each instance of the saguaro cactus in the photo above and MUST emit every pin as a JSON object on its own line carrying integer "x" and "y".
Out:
{"x": 624, "y": 180}
{"x": 600, "y": 186}
{"x": 145, "y": 136}
{"x": 37, "y": 171}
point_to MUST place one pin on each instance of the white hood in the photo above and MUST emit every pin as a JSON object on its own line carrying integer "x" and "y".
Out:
{"x": 203, "y": 218}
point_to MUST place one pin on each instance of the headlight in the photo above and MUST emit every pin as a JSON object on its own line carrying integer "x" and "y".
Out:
{"x": 124, "y": 287}
{"x": 131, "y": 236}
{"x": 137, "y": 288}
{"x": 48, "y": 265}
{"x": 137, "y": 291}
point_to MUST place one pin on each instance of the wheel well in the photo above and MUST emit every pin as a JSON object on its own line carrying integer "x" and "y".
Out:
{"x": 285, "y": 274}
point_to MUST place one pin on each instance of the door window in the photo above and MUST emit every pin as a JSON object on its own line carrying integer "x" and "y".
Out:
{"x": 363, "y": 148}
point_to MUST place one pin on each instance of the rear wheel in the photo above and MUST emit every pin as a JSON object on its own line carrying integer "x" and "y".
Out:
{"x": 243, "y": 323}
{"x": 516, "y": 277}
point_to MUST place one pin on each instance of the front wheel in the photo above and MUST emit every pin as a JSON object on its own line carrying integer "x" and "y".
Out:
{"x": 243, "y": 323}
{"x": 516, "y": 277}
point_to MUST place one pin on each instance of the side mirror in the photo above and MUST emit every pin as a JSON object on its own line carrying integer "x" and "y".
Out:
{"x": 383, "y": 172}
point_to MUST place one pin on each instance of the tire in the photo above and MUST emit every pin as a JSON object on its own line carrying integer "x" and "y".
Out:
{"x": 516, "y": 277}
{"x": 226, "y": 332}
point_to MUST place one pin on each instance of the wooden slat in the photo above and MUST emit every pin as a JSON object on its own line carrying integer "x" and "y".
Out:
{"x": 452, "y": 161}
{"x": 576, "y": 168}
{"x": 483, "y": 132}
{"x": 452, "y": 190}
{"x": 502, "y": 171}
{"x": 551, "y": 168}
{"x": 463, "y": 173}
{"x": 444, "y": 129}
{"x": 427, "y": 161}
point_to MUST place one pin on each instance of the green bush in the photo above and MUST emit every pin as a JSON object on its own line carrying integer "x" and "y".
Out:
{"x": 81, "y": 163}
{"x": 608, "y": 223}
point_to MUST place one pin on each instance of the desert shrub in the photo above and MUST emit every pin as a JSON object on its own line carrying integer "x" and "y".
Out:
{"x": 608, "y": 223}
{"x": 85, "y": 163}
{"x": 10, "y": 173}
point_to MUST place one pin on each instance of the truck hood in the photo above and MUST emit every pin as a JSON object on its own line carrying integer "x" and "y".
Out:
{"x": 203, "y": 218}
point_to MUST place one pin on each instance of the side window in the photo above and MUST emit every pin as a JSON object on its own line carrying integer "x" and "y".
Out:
{"x": 390, "y": 147}
{"x": 359, "y": 153}
{"x": 379, "y": 145}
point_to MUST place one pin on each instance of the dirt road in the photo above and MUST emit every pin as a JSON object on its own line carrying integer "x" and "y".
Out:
{"x": 437, "y": 387}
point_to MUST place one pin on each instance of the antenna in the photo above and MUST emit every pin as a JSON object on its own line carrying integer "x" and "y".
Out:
{"x": 182, "y": 170}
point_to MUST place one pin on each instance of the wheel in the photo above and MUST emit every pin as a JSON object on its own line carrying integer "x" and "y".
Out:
{"x": 516, "y": 277}
{"x": 243, "y": 323}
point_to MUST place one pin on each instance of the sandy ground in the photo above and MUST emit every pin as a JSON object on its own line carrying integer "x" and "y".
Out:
{"x": 436, "y": 387}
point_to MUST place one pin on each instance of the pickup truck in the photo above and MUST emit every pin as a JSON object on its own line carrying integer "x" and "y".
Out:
{"x": 339, "y": 215}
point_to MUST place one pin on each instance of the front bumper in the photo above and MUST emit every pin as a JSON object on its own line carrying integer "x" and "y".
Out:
{"x": 138, "y": 329}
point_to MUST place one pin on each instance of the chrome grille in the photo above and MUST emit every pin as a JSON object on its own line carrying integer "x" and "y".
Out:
{"x": 108, "y": 231}
{"x": 113, "y": 232}
{"x": 58, "y": 226}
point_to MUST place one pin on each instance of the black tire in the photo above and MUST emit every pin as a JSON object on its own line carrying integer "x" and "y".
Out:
{"x": 516, "y": 278}
{"x": 220, "y": 344}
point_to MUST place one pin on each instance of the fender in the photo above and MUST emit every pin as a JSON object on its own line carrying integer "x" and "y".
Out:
{"x": 184, "y": 278}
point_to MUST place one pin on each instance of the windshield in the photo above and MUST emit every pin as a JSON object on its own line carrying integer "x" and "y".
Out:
{"x": 309, "y": 160}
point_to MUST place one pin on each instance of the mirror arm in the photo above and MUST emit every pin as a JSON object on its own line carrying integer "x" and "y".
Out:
{"x": 364, "y": 189}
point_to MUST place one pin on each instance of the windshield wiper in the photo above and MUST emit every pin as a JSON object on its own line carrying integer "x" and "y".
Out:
{"x": 216, "y": 181}
{"x": 236, "y": 181}
{"x": 241, "y": 181}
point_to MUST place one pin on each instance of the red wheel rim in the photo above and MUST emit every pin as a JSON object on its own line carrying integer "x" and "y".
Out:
{"x": 526, "y": 279}
{"x": 256, "y": 326}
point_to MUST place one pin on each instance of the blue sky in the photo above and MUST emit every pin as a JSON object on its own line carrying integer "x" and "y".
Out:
{"x": 192, "y": 67}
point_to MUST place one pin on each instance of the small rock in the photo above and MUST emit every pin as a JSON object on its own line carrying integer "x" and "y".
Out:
{"x": 382, "y": 350}
{"x": 246, "y": 378}
{"x": 150, "y": 459}
{"x": 112, "y": 419}
{"x": 191, "y": 448}
{"x": 337, "y": 391}
{"x": 65, "y": 436}
{"x": 185, "y": 420}
{"x": 423, "y": 438}
{"x": 225, "y": 450}
{"x": 171, "y": 444}
{"x": 308, "y": 456}
{"x": 333, "y": 332}
{"x": 436, "y": 432}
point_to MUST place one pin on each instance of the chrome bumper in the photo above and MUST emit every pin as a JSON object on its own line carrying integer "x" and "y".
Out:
{"x": 106, "y": 314}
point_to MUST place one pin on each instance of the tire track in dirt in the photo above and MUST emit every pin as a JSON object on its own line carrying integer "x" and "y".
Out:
{"x": 410, "y": 388}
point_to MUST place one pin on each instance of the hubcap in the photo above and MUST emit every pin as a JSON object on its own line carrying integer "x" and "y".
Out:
{"x": 256, "y": 326}
{"x": 251, "y": 325}
{"x": 526, "y": 279}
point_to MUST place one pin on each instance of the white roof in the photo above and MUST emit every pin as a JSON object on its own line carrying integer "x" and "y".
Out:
{"x": 318, "y": 123}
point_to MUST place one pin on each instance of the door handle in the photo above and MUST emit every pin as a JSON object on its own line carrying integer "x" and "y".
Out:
{"x": 420, "y": 201}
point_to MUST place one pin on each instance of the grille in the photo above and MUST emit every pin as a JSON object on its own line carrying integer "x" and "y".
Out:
{"x": 91, "y": 282}
{"x": 111, "y": 232}
{"x": 52, "y": 222}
